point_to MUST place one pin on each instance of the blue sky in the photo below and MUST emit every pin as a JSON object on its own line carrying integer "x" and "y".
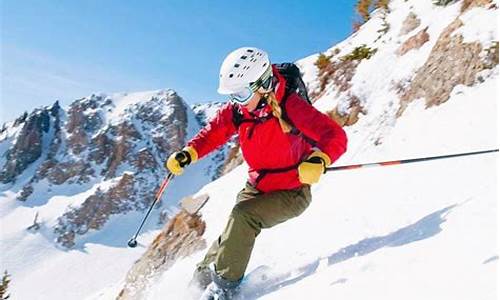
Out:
{"x": 69, "y": 49}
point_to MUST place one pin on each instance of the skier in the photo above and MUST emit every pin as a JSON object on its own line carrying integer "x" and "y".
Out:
{"x": 287, "y": 145}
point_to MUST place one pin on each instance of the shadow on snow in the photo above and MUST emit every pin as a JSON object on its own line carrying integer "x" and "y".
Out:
{"x": 424, "y": 228}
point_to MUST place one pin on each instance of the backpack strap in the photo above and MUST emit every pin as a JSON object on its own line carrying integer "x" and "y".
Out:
{"x": 303, "y": 89}
{"x": 237, "y": 116}
{"x": 264, "y": 172}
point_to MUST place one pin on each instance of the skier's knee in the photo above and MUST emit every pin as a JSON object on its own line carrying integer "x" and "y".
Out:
{"x": 241, "y": 213}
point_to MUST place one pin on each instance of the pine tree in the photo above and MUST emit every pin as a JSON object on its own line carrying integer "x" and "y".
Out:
{"x": 4, "y": 285}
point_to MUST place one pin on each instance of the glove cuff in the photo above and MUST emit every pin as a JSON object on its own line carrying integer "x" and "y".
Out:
{"x": 321, "y": 155}
{"x": 192, "y": 153}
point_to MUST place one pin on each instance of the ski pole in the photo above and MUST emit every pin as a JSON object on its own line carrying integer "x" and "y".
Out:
{"x": 132, "y": 243}
{"x": 406, "y": 161}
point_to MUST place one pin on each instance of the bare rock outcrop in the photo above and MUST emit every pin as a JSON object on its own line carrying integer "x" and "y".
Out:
{"x": 131, "y": 148}
{"x": 83, "y": 120}
{"x": 28, "y": 145}
{"x": 339, "y": 73}
{"x": 450, "y": 63}
{"x": 172, "y": 125}
{"x": 414, "y": 42}
{"x": 181, "y": 237}
{"x": 60, "y": 172}
{"x": 468, "y": 4}
{"x": 116, "y": 144}
{"x": 95, "y": 211}
{"x": 409, "y": 24}
{"x": 350, "y": 115}
{"x": 232, "y": 159}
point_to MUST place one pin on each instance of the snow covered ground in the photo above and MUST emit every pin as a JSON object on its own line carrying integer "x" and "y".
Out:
{"x": 421, "y": 231}
{"x": 417, "y": 231}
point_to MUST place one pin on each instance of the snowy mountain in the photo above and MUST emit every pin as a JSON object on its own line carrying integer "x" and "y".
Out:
{"x": 206, "y": 111}
{"x": 107, "y": 150}
{"x": 85, "y": 175}
{"x": 417, "y": 79}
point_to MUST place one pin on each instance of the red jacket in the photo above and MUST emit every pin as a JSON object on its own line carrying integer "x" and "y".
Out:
{"x": 272, "y": 155}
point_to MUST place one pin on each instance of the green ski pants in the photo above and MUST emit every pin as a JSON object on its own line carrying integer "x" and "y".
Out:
{"x": 253, "y": 211}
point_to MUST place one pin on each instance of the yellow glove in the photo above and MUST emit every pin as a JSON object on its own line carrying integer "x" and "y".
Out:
{"x": 311, "y": 169}
{"x": 178, "y": 160}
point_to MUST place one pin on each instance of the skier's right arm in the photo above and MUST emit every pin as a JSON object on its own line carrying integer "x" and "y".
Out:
{"x": 216, "y": 133}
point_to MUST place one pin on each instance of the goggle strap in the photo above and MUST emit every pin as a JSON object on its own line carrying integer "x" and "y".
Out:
{"x": 254, "y": 86}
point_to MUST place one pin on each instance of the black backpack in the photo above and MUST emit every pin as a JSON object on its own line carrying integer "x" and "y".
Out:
{"x": 294, "y": 82}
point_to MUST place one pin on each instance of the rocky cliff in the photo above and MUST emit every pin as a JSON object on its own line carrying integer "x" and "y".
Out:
{"x": 110, "y": 146}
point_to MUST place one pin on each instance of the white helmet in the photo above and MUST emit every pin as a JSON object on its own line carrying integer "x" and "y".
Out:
{"x": 242, "y": 67}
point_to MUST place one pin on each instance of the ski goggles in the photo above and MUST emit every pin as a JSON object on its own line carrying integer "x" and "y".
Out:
{"x": 245, "y": 95}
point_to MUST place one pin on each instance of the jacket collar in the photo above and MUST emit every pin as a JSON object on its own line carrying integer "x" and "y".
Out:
{"x": 280, "y": 84}
{"x": 258, "y": 112}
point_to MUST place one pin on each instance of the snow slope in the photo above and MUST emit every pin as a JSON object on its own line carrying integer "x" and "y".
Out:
{"x": 375, "y": 78}
{"x": 392, "y": 233}
{"x": 416, "y": 231}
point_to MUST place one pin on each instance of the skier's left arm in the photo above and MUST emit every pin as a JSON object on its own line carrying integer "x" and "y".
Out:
{"x": 214, "y": 134}
{"x": 330, "y": 138}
